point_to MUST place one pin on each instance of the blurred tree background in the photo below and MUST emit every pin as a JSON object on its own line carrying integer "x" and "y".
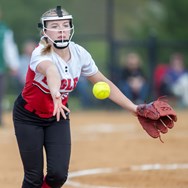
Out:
{"x": 132, "y": 19}
{"x": 110, "y": 28}
{"x": 136, "y": 19}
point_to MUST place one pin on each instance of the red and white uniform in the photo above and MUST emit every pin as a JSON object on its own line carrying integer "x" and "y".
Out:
{"x": 36, "y": 92}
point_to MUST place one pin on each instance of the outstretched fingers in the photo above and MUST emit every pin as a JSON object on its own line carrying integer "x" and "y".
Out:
{"x": 58, "y": 111}
{"x": 59, "y": 108}
{"x": 64, "y": 110}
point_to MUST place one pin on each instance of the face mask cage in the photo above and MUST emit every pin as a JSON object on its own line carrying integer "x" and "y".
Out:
{"x": 57, "y": 43}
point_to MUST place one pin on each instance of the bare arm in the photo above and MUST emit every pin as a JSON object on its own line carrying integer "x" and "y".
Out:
{"x": 115, "y": 95}
{"x": 49, "y": 70}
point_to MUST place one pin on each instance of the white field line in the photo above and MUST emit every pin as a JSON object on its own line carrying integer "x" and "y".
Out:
{"x": 145, "y": 167}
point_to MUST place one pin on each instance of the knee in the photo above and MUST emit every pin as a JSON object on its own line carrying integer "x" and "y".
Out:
{"x": 56, "y": 179}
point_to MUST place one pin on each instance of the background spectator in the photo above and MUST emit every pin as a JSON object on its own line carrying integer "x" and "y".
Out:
{"x": 175, "y": 82}
{"x": 159, "y": 74}
{"x": 28, "y": 47}
{"x": 180, "y": 89}
{"x": 84, "y": 92}
{"x": 9, "y": 60}
{"x": 133, "y": 80}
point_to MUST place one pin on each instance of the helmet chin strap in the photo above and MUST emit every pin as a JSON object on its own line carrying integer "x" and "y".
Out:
{"x": 60, "y": 44}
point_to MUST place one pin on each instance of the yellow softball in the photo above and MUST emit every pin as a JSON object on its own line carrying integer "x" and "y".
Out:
{"x": 101, "y": 90}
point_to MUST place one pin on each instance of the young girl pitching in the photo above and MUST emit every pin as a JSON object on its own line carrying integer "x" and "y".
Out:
{"x": 41, "y": 113}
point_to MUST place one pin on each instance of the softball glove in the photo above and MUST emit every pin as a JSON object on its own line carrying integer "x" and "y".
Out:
{"x": 156, "y": 117}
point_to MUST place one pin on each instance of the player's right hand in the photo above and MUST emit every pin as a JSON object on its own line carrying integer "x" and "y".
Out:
{"x": 59, "y": 108}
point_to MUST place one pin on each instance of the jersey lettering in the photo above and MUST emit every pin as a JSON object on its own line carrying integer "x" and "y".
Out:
{"x": 66, "y": 84}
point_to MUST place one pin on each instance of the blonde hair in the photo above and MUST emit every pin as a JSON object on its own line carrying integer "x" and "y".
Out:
{"x": 47, "y": 47}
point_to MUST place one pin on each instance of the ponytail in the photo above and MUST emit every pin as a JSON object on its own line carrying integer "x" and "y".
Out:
{"x": 48, "y": 47}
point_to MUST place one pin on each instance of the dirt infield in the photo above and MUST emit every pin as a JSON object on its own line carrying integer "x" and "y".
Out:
{"x": 110, "y": 150}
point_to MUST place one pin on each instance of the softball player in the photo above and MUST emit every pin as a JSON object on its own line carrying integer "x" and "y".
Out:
{"x": 41, "y": 113}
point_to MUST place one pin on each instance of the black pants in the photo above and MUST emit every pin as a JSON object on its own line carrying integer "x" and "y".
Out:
{"x": 35, "y": 134}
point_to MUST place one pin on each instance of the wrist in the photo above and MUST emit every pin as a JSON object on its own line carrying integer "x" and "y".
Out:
{"x": 132, "y": 108}
{"x": 55, "y": 94}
